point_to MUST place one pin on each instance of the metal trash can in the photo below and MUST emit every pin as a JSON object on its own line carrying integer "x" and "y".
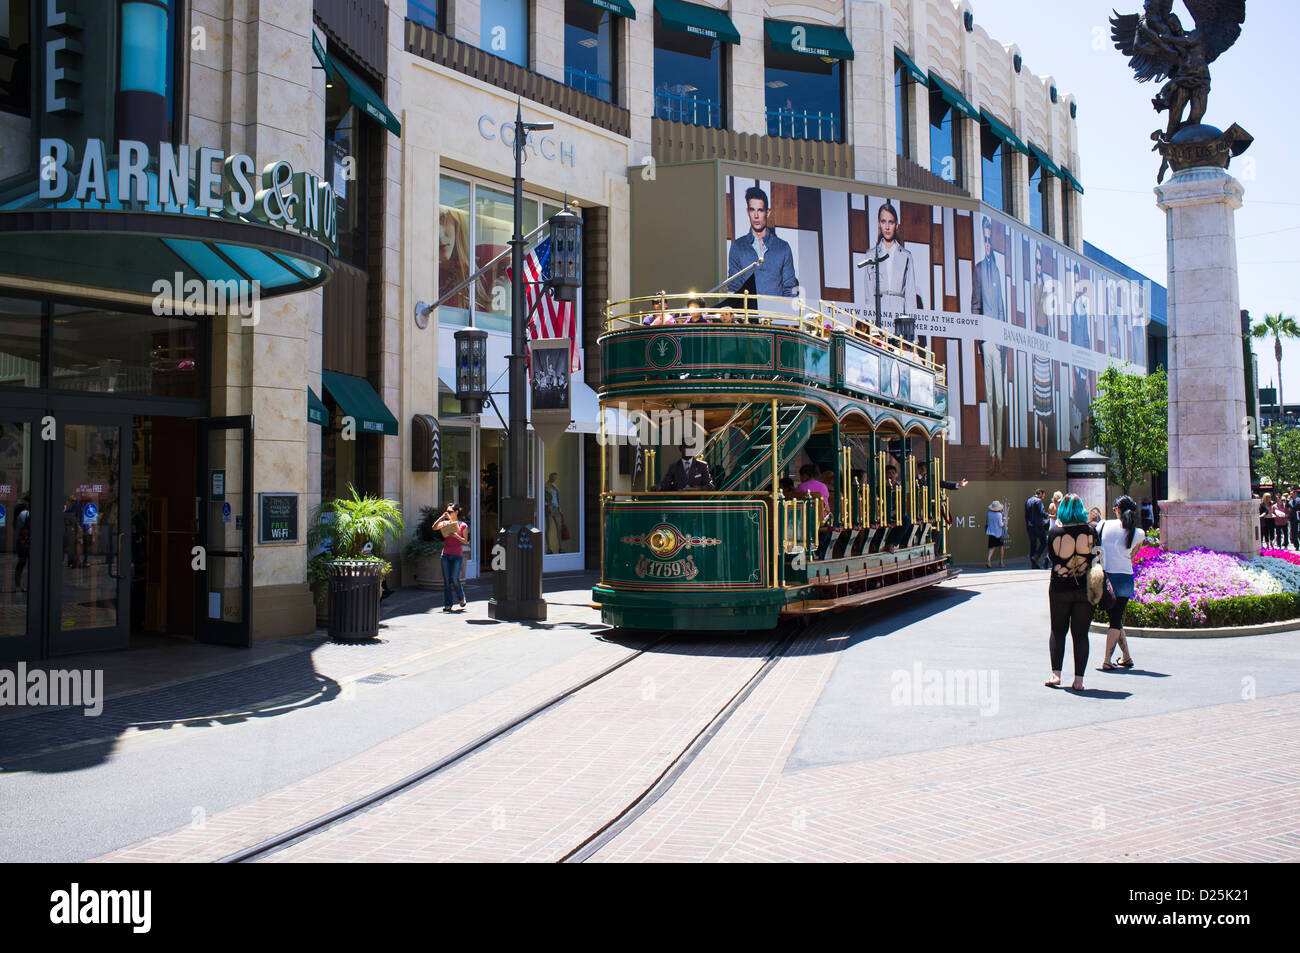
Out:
{"x": 354, "y": 599}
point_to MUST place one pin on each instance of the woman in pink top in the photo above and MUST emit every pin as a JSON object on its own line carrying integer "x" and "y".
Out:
{"x": 810, "y": 484}
{"x": 453, "y": 555}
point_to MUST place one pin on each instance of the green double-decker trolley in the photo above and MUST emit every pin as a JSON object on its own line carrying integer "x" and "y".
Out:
{"x": 758, "y": 389}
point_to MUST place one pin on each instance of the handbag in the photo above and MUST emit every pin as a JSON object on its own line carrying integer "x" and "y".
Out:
{"x": 564, "y": 531}
{"x": 1100, "y": 591}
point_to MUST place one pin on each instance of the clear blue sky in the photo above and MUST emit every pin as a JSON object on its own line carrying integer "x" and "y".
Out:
{"x": 1255, "y": 84}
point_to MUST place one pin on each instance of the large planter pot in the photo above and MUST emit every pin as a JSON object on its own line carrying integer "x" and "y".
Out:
{"x": 320, "y": 595}
{"x": 428, "y": 572}
{"x": 354, "y": 600}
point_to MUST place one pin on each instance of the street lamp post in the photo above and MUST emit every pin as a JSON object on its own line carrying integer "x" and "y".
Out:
{"x": 516, "y": 561}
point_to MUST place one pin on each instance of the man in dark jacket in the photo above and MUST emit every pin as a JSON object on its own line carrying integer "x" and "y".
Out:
{"x": 1036, "y": 525}
{"x": 688, "y": 473}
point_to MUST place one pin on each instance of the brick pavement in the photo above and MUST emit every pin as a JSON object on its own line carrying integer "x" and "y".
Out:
{"x": 541, "y": 791}
{"x": 1220, "y": 783}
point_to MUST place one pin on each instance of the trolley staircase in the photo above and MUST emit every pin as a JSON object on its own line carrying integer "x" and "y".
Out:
{"x": 743, "y": 451}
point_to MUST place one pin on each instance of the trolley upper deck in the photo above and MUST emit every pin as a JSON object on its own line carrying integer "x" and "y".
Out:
{"x": 711, "y": 351}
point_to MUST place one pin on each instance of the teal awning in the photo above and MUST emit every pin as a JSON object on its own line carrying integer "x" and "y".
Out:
{"x": 954, "y": 98}
{"x": 826, "y": 41}
{"x": 1074, "y": 183}
{"x": 915, "y": 71}
{"x": 357, "y": 399}
{"x": 623, "y": 8}
{"x": 1048, "y": 165}
{"x": 1004, "y": 132}
{"x": 697, "y": 20}
{"x": 361, "y": 93}
{"x": 316, "y": 412}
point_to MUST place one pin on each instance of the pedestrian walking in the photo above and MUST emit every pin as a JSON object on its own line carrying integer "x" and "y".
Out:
{"x": 994, "y": 528}
{"x": 1036, "y": 526}
{"x": 1148, "y": 514}
{"x": 1072, "y": 547}
{"x": 455, "y": 534}
{"x": 1120, "y": 539}
{"x": 1052, "y": 507}
{"x": 1281, "y": 519}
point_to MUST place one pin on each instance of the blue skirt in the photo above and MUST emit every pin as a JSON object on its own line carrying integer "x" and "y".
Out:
{"x": 1122, "y": 583}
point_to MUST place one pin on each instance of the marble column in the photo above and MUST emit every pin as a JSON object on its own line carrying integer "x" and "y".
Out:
{"x": 1209, "y": 476}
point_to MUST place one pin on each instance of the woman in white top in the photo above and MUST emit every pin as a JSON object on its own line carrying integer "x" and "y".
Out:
{"x": 1052, "y": 521}
{"x": 995, "y": 530}
{"x": 897, "y": 273}
{"x": 1120, "y": 539}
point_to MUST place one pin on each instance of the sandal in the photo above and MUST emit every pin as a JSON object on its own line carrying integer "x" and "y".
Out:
{"x": 1053, "y": 682}
{"x": 1125, "y": 663}
{"x": 1106, "y": 666}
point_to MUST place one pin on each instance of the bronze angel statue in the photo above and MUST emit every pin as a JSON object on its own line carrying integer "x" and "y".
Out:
{"x": 1159, "y": 48}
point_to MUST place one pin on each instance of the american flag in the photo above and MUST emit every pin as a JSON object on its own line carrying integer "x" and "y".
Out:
{"x": 552, "y": 319}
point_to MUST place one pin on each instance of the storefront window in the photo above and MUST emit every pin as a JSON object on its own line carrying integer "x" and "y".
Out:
{"x": 348, "y": 170}
{"x": 689, "y": 77}
{"x": 562, "y": 495}
{"x": 16, "y": 445}
{"x": 945, "y": 139}
{"x": 111, "y": 352}
{"x": 805, "y": 96}
{"x": 503, "y": 29}
{"x": 902, "y": 111}
{"x": 494, "y": 223}
{"x": 590, "y": 49}
{"x": 20, "y": 342}
{"x": 453, "y": 248}
{"x": 15, "y": 58}
{"x": 996, "y": 170}
{"x": 457, "y": 470}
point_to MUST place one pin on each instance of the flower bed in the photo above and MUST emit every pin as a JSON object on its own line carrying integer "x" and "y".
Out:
{"x": 1205, "y": 589}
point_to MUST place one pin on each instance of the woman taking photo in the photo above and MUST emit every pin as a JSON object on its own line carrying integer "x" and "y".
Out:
{"x": 1071, "y": 548}
{"x": 455, "y": 536}
{"x": 1120, "y": 539}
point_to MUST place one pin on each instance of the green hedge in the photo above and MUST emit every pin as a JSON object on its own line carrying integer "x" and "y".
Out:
{"x": 1236, "y": 610}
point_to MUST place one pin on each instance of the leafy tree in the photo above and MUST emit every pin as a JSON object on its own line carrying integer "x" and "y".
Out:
{"x": 1280, "y": 460}
{"x": 1279, "y": 326}
{"x": 1129, "y": 423}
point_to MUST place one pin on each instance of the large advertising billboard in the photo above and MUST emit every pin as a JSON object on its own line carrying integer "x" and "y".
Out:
{"x": 1023, "y": 326}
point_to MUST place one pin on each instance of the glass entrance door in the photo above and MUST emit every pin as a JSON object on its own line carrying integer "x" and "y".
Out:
{"x": 87, "y": 559}
{"x": 22, "y": 542}
{"x": 224, "y": 581}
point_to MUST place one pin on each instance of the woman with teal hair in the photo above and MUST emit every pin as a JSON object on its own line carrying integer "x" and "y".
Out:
{"x": 1072, "y": 545}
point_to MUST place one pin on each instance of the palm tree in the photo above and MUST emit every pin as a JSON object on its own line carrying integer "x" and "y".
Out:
{"x": 350, "y": 523}
{"x": 1280, "y": 326}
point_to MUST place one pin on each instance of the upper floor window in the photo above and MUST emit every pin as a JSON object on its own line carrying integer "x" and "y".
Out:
{"x": 1067, "y": 220}
{"x": 690, "y": 63}
{"x": 590, "y": 49}
{"x": 1039, "y": 197}
{"x": 805, "y": 88}
{"x": 902, "y": 111}
{"x": 15, "y": 58}
{"x": 347, "y": 167}
{"x": 430, "y": 13}
{"x": 996, "y": 158}
{"x": 503, "y": 29}
{"x": 945, "y": 139}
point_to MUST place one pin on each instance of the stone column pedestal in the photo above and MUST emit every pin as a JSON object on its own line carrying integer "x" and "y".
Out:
{"x": 1209, "y": 473}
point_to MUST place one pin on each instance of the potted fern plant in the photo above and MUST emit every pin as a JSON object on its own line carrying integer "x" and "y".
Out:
{"x": 424, "y": 551}
{"x": 354, "y": 530}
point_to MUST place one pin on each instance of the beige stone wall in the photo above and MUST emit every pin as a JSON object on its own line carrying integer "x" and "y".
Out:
{"x": 395, "y": 451}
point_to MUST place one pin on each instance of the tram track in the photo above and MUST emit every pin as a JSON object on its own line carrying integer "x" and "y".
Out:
{"x": 675, "y": 763}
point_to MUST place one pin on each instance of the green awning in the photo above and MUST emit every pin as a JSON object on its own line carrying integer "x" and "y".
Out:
{"x": 316, "y": 412}
{"x": 954, "y": 98}
{"x": 1048, "y": 165}
{"x": 916, "y": 72}
{"x": 357, "y": 399}
{"x": 826, "y": 41}
{"x": 1004, "y": 132}
{"x": 623, "y": 8}
{"x": 697, "y": 20}
{"x": 361, "y": 93}
{"x": 1074, "y": 183}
